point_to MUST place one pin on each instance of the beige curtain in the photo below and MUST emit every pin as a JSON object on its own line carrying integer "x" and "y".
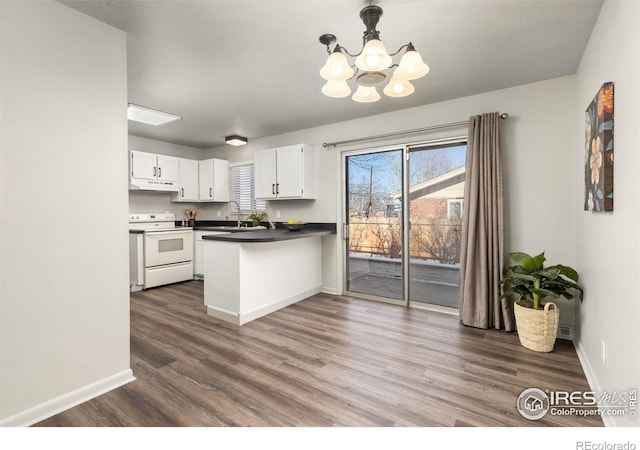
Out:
{"x": 481, "y": 258}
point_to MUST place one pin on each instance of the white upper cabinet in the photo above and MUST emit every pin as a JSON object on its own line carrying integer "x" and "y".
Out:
{"x": 213, "y": 180}
{"x": 168, "y": 168}
{"x": 148, "y": 171}
{"x": 264, "y": 173}
{"x": 187, "y": 182}
{"x": 285, "y": 173}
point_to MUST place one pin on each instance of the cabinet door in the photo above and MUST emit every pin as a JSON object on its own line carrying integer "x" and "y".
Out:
{"x": 205, "y": 182}
{"x": 143, "y": 165}
{"x": 188, "y": 179}
{"x": 198, "y": 257}
{"x": 264, "y": 173}
{"x": 221, "y": 180}
{"x": 168, "y": 168}
{"x": 289, "y": 171}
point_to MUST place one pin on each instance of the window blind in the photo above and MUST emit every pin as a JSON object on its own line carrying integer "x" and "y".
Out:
{"x": 243, "y": 188}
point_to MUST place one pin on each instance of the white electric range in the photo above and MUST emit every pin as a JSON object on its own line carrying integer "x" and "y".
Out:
{"x": 159, "y": 251}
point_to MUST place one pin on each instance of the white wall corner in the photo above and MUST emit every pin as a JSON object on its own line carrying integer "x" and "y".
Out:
{"x": 57, "y": 405}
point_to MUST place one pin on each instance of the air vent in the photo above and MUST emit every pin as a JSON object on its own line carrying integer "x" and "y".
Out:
{"x": 565, "y": 332}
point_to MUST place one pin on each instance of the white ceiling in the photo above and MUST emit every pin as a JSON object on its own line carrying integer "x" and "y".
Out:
{"x": 250, "y": 67}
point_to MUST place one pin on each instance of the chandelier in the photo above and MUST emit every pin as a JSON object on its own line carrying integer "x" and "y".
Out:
{"x": 370, "y": 65}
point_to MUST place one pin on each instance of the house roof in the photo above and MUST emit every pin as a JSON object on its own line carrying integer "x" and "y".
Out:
{"x": 447, "y": 185}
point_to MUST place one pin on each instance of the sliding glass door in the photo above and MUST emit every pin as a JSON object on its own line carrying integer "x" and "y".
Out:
{"x": 403, "y": 216}
{"x": 436, "y": 195}
{"x": 374, "y": 222}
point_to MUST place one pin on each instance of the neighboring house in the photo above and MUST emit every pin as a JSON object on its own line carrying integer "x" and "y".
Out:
{"x": 440, "y": 197}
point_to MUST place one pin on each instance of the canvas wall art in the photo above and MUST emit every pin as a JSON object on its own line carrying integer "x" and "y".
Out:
{"x": 598, "y": 151}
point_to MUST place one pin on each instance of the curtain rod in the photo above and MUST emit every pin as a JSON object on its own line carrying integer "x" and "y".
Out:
{"x": 400, "y": 133}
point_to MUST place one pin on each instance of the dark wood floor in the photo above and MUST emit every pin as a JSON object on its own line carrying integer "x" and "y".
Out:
{"x": 325, "y": 361}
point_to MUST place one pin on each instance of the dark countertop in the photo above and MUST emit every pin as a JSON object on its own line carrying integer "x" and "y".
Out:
{"x": 267, "y": 235}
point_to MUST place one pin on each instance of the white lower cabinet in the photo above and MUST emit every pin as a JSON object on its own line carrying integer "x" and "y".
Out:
{"x": 198, "y": 251}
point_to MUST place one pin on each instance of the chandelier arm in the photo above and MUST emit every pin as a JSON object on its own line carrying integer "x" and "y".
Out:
{"x": 349, "y": 53}
{"x": 400, "y": 49}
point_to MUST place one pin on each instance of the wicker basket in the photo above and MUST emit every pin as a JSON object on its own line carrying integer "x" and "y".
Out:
{"x": 537, "y": 329}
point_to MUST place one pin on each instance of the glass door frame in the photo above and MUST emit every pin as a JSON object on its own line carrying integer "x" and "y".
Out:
{"x": 406, "y": 149}
{"x": 345, "y": 220}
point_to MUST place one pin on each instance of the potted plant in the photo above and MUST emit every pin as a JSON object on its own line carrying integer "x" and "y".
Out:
{"x": 257, "y": 217}
{"x": 537, "y": 322}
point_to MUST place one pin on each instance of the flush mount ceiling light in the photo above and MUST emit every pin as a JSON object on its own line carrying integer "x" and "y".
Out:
{"x": 236, "y": 140}
{"x": 149, "y": 116}
{"x": 370, "y": 65}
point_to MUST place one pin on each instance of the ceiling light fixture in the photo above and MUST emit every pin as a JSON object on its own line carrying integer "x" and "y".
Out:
{"x": 236, "y": 140}
{"x": 370, "y": 65}
{"x": 149, "y": 116}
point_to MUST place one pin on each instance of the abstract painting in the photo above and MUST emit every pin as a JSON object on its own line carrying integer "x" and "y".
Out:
{"x": 598, "y": 152}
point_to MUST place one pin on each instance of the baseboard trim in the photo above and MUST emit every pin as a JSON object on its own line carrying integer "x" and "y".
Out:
{"x": 62, "y": 403}
{"x": 223, "y": 314}
{"x": 594, "y": 385}
{"x": 329, "y": 290}
{"x": 244, "y": 317}
{"x": 264, "y": 310}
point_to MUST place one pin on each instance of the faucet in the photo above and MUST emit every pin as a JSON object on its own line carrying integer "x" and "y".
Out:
{"x": 238, "y": 208}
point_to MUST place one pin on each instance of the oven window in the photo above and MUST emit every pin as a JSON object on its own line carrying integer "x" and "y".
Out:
{"x": 170, "y": 245}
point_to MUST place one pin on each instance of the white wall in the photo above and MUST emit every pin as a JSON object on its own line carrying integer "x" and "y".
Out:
{"x": 607, "y": 244}
{"x": 537, "y": 143}
{"x": 64, "y": 301}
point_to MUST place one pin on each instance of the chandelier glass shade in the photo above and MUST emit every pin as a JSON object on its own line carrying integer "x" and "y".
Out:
{"x": 370, "y": 65}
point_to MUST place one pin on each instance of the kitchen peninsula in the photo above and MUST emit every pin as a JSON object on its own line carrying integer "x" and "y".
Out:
{"x": 253, "y": 273}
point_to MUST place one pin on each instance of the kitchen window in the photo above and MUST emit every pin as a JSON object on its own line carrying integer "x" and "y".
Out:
{"x": 243, "y": 189}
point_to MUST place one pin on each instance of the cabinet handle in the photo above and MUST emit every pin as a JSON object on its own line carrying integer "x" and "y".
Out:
{"x": 277, "y": 188}
{"x": 273, "y": 189}
{"x": 154, "y": 171}
{"x": 182, "y": 192}
{"x": 159, "y": 171}
{"x": 210, "y": 192}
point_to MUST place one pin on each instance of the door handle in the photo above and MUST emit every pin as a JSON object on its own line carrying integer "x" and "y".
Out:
{"x": 211, "y": 192}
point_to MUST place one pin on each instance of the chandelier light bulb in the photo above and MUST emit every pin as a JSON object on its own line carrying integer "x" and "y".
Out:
{"x": 336, "y": 89}
{"x": 411, "y": 66}
{"x": 374, "y": 57}
{"x": 366, "y": 94}
{"x": 337, "y": 67}
{"x": 399, "y": 88}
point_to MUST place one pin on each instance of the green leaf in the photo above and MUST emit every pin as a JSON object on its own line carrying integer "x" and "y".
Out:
{"x": 567, "y": 271}
{"x": 609, "y": 146}
{"x": 518, "y": 256}
{"x": 545, "y": 293}
{"x": 534, "y": 264}
{"x": 550, "y": 272}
